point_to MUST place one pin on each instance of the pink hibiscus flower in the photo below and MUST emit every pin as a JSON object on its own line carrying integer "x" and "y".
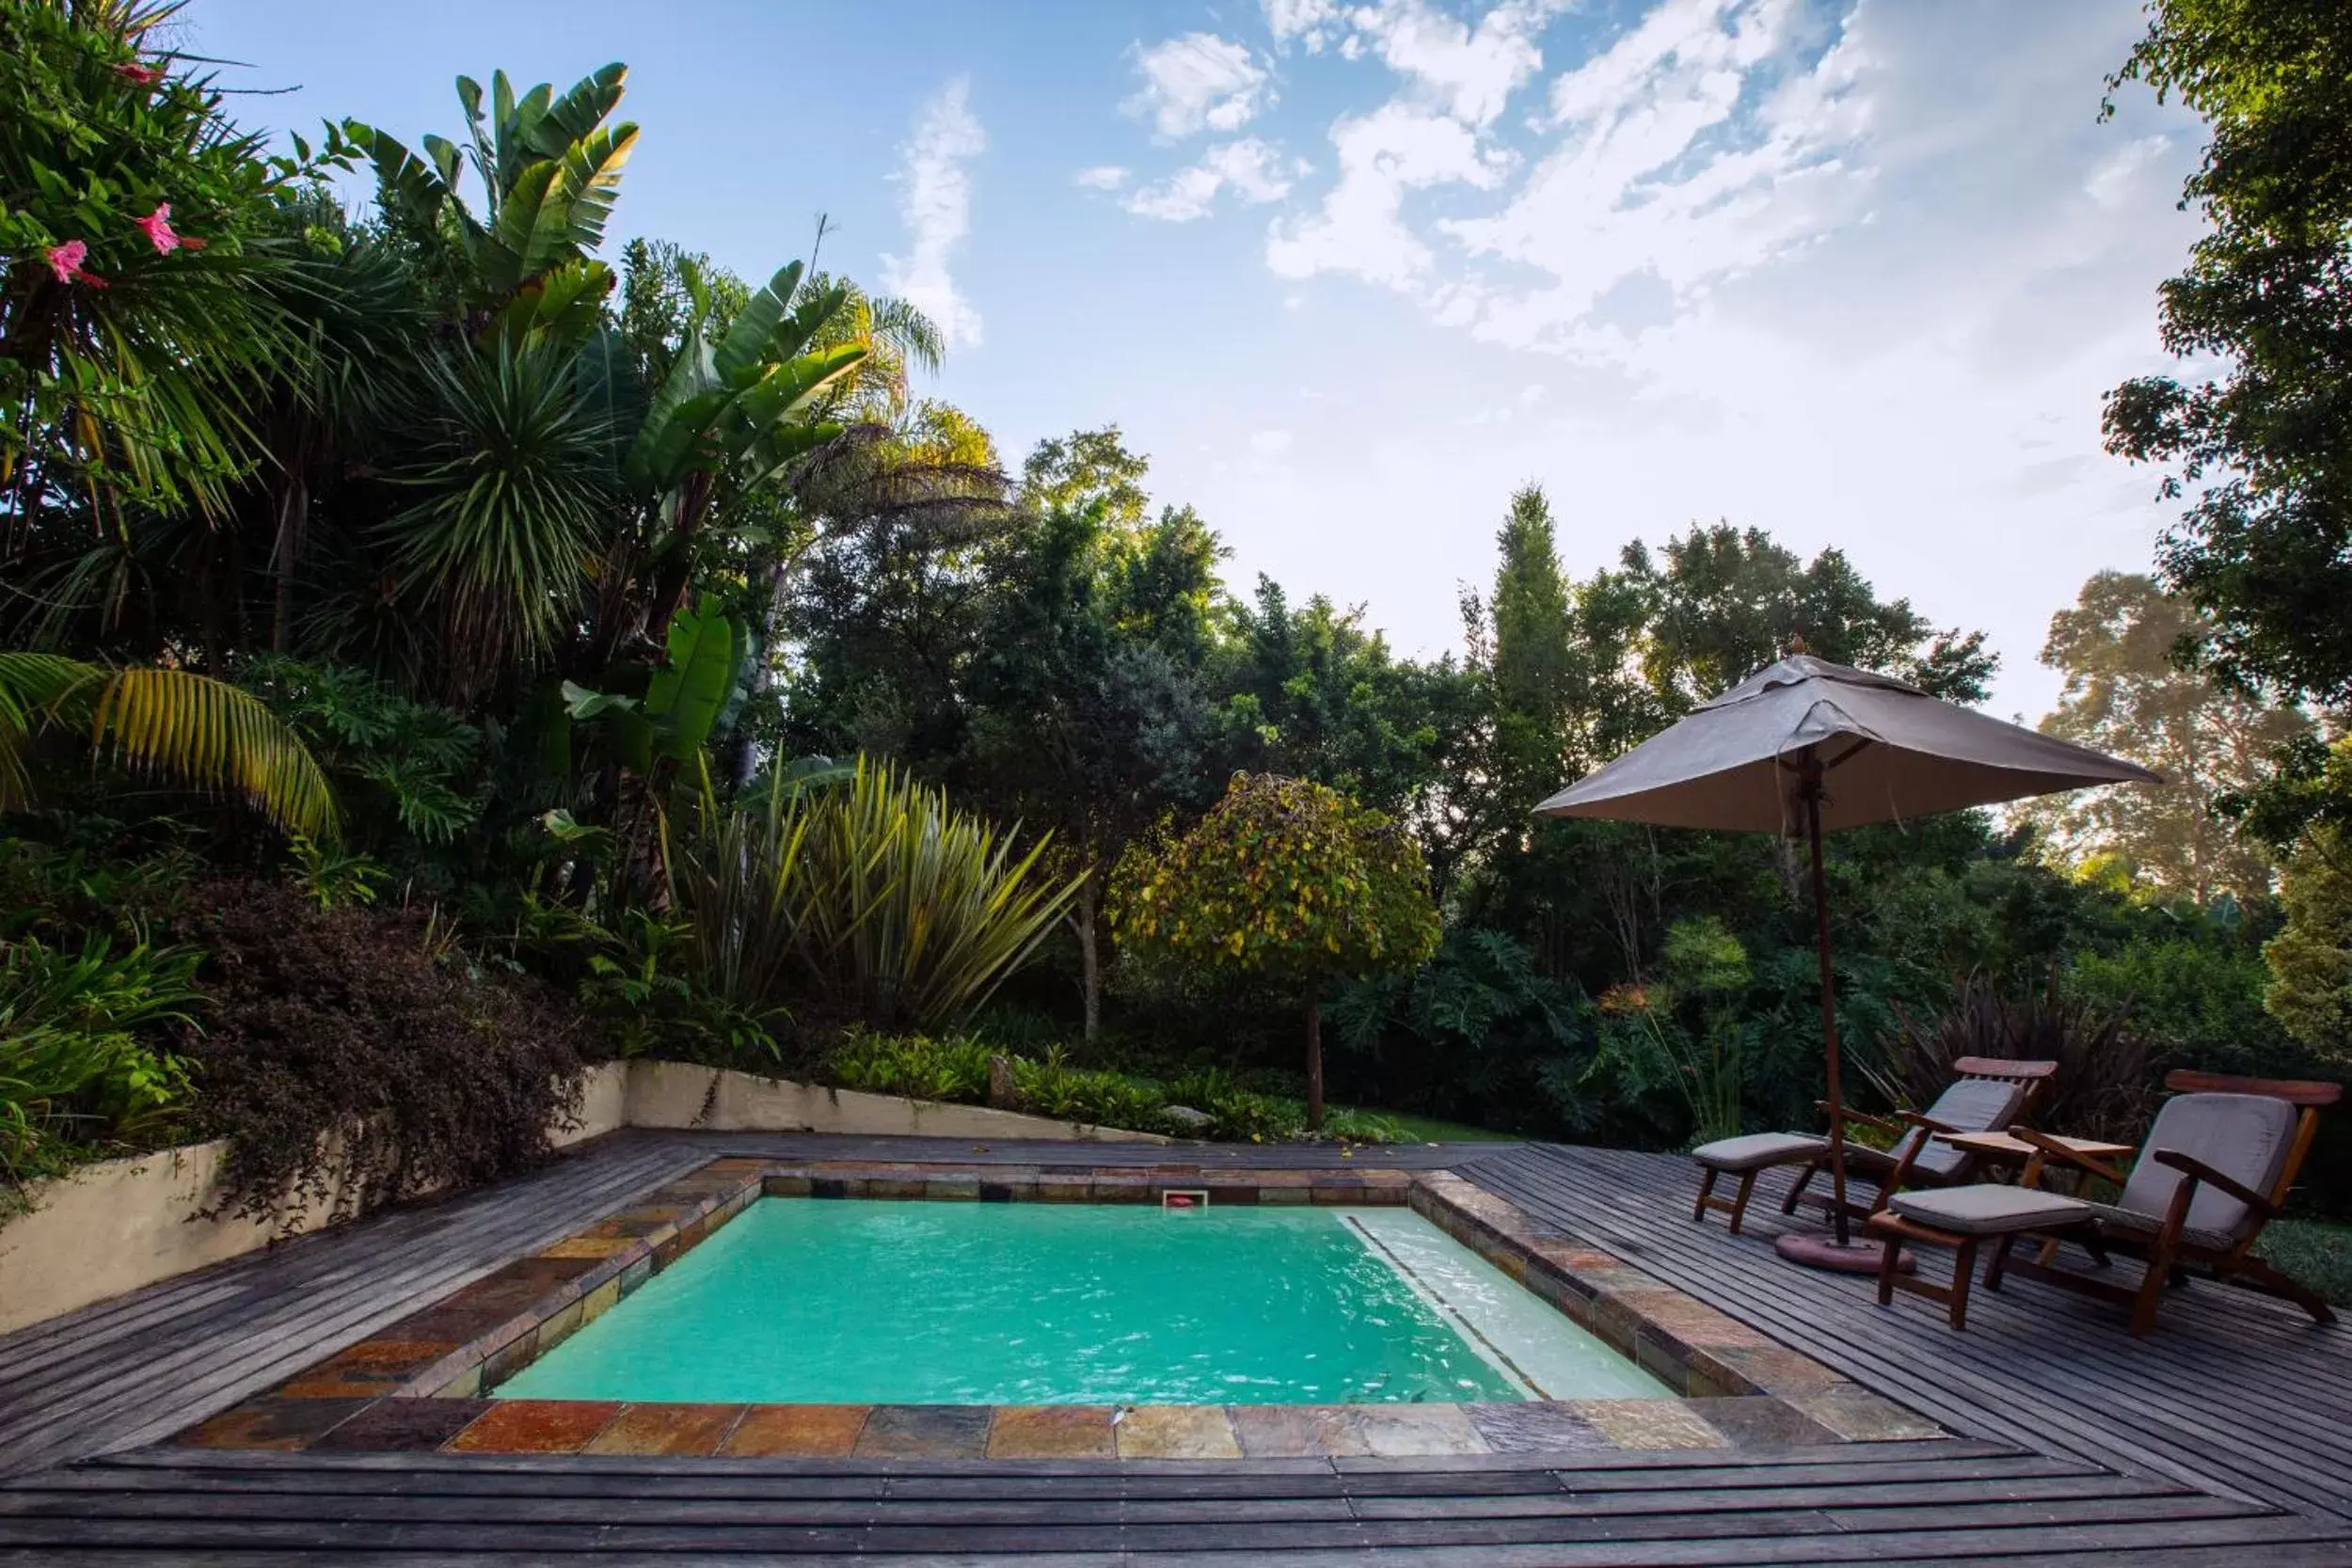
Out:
{"x": 158, "y": 227}
{"x": 65, "y": 262}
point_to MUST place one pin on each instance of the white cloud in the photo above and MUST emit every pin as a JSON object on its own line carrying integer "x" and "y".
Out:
{"x": 935, "y": 201}
{"x": 1695, "y": 149}
{"x": 1103, "y": 177}
{"x": 1270, "y": 443}
{"x": 2116, "y": 181}
{"x": 1199, "y": 82}
{"x": 1469, "y": 71}
{"x": 1856, "y": 271}
{"x": 1312, "y": 23}
{"x": 1252, "y": 170}
{"x": 1361, "y": 227}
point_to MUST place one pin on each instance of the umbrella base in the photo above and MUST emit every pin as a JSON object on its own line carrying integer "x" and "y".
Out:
{"x": 1824, "y": 1252}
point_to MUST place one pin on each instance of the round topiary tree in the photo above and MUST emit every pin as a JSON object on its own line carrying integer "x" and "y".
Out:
{"x": 1287, "y": 880}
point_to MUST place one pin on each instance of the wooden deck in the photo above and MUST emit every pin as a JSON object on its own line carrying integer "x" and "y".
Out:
{"x": 2233, "y": 1392}
{"x": 2226, "y": 1438}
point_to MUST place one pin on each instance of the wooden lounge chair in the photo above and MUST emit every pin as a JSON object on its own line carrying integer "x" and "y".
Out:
{"x": 1987, "y": 1095}
{"x": 2214, "y": 1167}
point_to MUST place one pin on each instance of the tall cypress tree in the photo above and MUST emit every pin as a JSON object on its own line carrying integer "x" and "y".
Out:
{"x": 1534, "y": 657}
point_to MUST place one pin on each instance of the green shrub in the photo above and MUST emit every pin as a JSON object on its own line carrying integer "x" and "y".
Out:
{"x": 1054, "y": 1088}
{"x": 73, "y": 1069}
{"x": 919, "y": 1067}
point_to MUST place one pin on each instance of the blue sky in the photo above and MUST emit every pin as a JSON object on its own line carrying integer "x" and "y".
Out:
{"x": 1852, "y": 271}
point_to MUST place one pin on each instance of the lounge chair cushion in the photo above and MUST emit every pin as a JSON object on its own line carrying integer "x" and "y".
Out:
{"x": 1968, "y": 1105}
{"x": 1759, "y": 1151}
{"x": 1989, "y": 1211}
{"x": 2242, "y": 1135}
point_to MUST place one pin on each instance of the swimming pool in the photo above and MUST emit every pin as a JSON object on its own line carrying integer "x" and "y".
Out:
{"x": 841, "y": 1301}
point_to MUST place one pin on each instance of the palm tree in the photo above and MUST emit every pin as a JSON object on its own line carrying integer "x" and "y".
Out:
{"x": 186, "y": 727}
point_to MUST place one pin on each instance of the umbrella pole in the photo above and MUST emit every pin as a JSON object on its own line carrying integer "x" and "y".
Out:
{"x": 1838, "y": 1251}
{"x": 1828, "y": 1007}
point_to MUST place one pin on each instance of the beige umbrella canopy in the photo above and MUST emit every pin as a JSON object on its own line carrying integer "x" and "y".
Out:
{"x": 1804, "y": 745}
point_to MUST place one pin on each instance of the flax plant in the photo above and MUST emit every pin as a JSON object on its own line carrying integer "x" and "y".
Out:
{"x": 873, "y": 893}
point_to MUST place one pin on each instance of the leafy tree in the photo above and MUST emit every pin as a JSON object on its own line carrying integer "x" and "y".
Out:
{"x": 2125, "y": 694}
{"x": 1286, "y": 879}
{"x": 1725, "y": 602}
{"x": 2264, "y": 446}
{"x": 1088, "y": 467}
{"x": 1311, "y": 692}
{"x": 2310, "y": 959}
{"x": 1087, "y": 707}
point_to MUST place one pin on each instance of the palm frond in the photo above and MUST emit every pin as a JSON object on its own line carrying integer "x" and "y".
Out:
{"x": 184, "y": 726}
{"x": 215, "y": 736}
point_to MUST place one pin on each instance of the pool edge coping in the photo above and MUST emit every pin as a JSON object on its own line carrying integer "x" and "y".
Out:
{"x": 1748, "y": 1380}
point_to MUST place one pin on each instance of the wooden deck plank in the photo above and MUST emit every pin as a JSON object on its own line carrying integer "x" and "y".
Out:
{"x": 2074, "y": 1443}
{"x": 2036, "y": 1367}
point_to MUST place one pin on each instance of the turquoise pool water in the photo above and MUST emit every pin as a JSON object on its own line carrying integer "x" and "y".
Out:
{"x": 848, "y": 1302}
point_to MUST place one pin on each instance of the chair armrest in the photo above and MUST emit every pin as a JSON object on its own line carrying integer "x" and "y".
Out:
{"x": 2197, "y": 1171}
{"x": 1926, "y": 1124}
{"x": 2047, "y": 1148}
{"x": 1847, "y": 1113}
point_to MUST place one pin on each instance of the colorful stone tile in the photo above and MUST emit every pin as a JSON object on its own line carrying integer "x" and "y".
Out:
{"x": 1052, "y": 1432}
{"x": 1777, "y": 1369}
{"x": 1535, "y": 1426}
{"x": 589, "y": 1246}
{"x": 924, "y": 1432}
{"x": 1399, "y": 1431}
{"x": 796, "y": 1431}
{"x": 369, "y": 1368}
{"x": 1761, "y": 1422}
{"x": 510, "y": 1359}
{"x": 1859, "y": 1415}
{"x": 404, "y": 1426}
{"x": 597, "y": 1303}
{"x": 675, "y": 1429}
{"x": 465, "y": 1385}
{"x": 270, "y": 1423}
{"x": 1297, "y": 1431}
{"x": 1177, "y": 1432}
{"x": 561, "y": 1327}
{"x": 535, "y": 1426}
{"x": 1648, "y": 1424}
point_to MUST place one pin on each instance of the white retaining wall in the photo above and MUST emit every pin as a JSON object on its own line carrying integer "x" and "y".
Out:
{"x": 123, "y": 1224}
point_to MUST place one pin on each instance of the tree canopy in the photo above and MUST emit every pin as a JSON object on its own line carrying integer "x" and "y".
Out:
{"x": 2262, "y": 449}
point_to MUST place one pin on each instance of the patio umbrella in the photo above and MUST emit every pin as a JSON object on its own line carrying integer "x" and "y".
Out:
{"x": 1808, "y": 746}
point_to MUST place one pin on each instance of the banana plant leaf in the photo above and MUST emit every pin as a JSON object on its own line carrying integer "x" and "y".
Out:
{"x": 745, "y": 345}
{"x": 686, "y": 696}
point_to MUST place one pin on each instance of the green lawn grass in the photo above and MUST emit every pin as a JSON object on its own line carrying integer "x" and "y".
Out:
{"x": 2314, "y": 1252}
{"x": 1430, "y": 1129}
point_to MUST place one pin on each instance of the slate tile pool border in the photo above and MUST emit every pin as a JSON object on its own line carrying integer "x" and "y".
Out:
{"x": 420, "y": 1382}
